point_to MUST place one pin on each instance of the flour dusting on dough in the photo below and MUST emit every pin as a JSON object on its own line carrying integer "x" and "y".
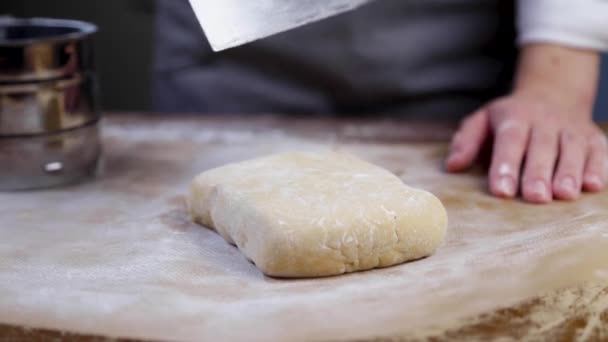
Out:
{"x": 348, "y": 215}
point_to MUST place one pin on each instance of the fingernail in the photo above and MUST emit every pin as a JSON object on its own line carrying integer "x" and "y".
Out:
{"x": 540, "y": 190}
{"x": 506, "y": 186}
{"x": 594, "y": 180}
{"x": 568, "y": 185}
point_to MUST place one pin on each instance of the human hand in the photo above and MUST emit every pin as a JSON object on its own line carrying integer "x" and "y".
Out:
{"x": 561, "y": 151}
{"x": 545, "y": 141}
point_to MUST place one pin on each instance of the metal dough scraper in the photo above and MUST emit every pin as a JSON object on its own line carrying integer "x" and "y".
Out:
{"x": 229, "y": 23}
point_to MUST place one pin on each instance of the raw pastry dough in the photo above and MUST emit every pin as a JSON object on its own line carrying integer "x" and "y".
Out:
{"x": 317, "y": 214}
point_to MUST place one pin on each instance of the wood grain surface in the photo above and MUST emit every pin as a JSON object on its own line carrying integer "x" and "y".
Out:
{"x": 571, "y": 314}
{"x": 578, "y": 311}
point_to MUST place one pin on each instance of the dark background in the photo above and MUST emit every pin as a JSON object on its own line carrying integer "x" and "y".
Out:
{"x": 125, "y": 46}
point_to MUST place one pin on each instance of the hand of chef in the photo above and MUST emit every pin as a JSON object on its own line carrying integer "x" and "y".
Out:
{"x": 545, "y": 143}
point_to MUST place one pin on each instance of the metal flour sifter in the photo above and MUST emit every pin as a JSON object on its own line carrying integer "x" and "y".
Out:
{"x": 49, "y": 115}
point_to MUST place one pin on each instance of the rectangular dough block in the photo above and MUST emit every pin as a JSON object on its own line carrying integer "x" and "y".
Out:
{"x": 317, "y": 214}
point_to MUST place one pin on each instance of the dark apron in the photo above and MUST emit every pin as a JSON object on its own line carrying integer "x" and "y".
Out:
{"x": 417, "y": 57}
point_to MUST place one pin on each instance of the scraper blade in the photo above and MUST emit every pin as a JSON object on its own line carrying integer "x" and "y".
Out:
{"x": 230, "y": 23}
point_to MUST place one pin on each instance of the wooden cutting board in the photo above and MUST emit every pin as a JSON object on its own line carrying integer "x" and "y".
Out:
{"x": 118, "y": 257}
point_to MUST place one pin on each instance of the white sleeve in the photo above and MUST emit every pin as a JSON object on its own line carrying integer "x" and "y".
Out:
{"x": 575, "y": 23}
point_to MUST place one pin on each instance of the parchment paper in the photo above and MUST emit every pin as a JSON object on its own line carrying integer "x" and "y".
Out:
{"x": 118, "y": 257}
